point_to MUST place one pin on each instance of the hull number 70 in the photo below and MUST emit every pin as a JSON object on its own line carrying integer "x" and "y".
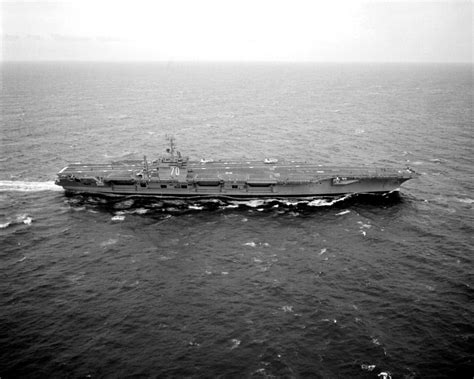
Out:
{"x": 174, "y": 170}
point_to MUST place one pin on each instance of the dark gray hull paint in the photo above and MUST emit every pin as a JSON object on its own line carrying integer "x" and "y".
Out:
{"x": 244, "y": 182}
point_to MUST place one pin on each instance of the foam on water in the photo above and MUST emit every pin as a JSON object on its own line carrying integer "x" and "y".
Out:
{"x": 367, "y": 367}
{"x": 328, "y": 202}
{"x": 141, "y": 211}
{"x": 25, "y": 186}
{"x": 251, "y": 203}
{"x": 109, "y": 242}
{"x": 311, "y": 202}
{"x": 20, "y": 219}
{"x": 251, "y": 244}
{"x": 151, "y": 206}
{"x": 195, "y": 207}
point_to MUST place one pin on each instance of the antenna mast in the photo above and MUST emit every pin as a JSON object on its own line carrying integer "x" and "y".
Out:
{"x": 172, "y": 142}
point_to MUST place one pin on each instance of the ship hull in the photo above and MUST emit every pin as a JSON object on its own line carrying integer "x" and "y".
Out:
{"x": 249, "y": 180}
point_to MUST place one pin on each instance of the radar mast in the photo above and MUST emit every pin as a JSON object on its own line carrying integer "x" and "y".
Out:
{"x": 172, "y": 142}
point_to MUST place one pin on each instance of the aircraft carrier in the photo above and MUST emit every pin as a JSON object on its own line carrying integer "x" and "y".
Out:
{"x": 175, "y": 176}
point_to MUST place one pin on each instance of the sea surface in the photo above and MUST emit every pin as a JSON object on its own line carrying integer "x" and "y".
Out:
{"x": 349, "y": 287}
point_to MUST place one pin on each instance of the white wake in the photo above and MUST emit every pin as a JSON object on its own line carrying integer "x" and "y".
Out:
{"x": 24, "y": 186}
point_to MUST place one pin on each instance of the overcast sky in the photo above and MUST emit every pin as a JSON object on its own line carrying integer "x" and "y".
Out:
{"x": 238, "y": 30}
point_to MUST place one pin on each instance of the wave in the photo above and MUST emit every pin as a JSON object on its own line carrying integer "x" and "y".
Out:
{"x": 24, "y": 186}
{"x": 312, "y": 202}
{"x": 20, "y": 219}
{"x": 160, "y": 206}
{"x": 153, "y": 206}
{"x": 330, "y": 202}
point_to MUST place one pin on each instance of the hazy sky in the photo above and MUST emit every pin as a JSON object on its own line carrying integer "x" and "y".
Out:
{"x": 236, "y": 30}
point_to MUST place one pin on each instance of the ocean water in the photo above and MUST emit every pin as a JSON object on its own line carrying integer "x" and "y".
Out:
{"x": 350, "y": 287}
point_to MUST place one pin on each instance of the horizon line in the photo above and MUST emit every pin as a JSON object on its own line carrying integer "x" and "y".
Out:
{"x": 197, "y": 61}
